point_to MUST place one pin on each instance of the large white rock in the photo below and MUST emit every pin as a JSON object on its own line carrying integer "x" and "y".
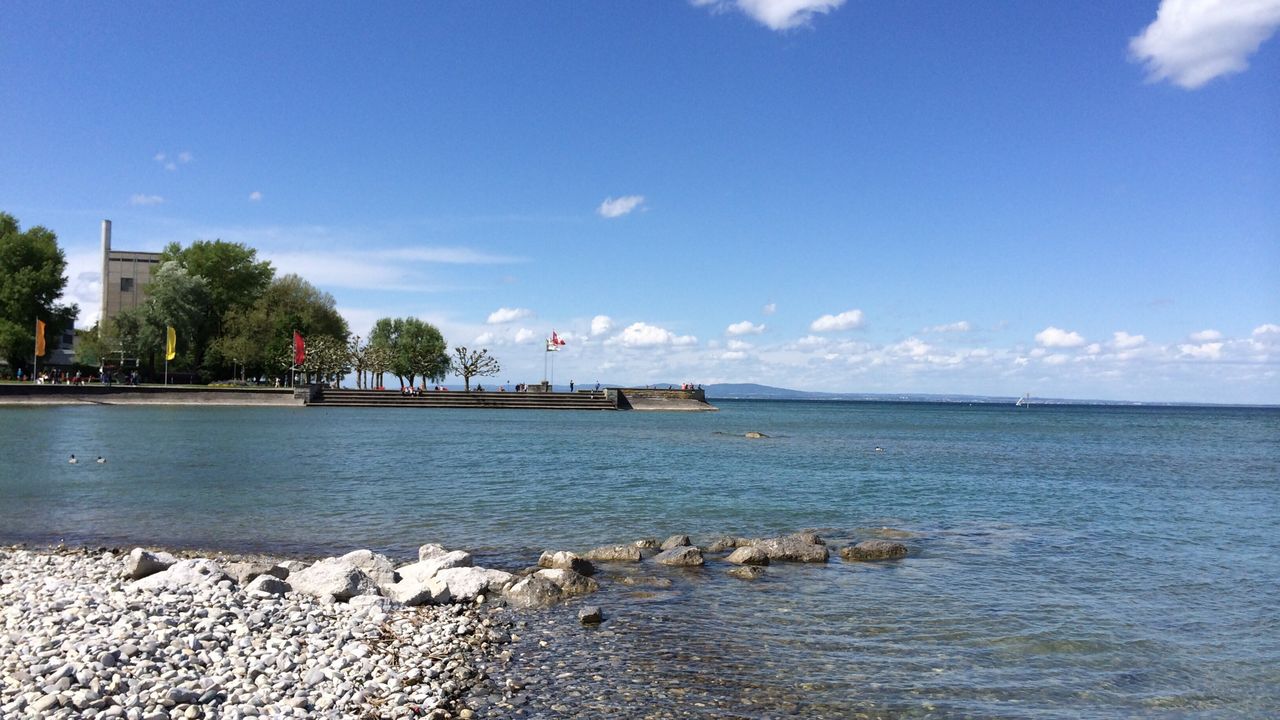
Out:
{"x": 465, "y": 583}
{"x": 184, "y": 573}
{"x": 570, "y": 582}
{"x": 424, "y": 570}
{"x": 141, "y": 563}
{"x": 567, "y": 560}
{"x": 268, "y": 585}
{"x": 333, "y": 578}
{"x": 533, "y": 591}
{"x": 412, "y": 592}
{"x": 379, "y": 569}
{"x": 430, "y": 550}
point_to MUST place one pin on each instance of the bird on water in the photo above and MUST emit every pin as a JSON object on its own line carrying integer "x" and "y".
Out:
{"x": 101, "y": 460}
{"x": 73, "y": 460}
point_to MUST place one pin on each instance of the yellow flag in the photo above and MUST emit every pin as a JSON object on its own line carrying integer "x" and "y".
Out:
{"x": 39, "y": 338}
{"x": 171, "y": 344}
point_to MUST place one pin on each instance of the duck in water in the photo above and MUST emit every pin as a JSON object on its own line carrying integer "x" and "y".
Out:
{"x": 73, "y": 460}
{"x": 100, "y": 460}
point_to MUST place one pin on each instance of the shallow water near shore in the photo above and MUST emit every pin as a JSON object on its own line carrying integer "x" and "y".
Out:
{"x": 1067, "y": 561}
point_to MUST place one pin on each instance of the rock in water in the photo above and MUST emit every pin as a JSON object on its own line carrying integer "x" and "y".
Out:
{"x": 748, "y": 556}
{"x": 424, "y": 570}
{"x": 755, "y": 435}
{"x": 682, "y": 556}
{"x": 646, "y": 543}
{"x": 615, "y": 553}
{"x": 141, "y": 563}
{"x": 430, "y": 550}
{"x": 566, "y": 560}
{"x": 676, "y": 541}
{"x": 747, "y": 572}
{"x": 570, "y": 582}
{"x": 590, "y": 615}
{"x": 533, "y": 591}
{"x": 872, "y": 550}
{"x": 800, "y": 547}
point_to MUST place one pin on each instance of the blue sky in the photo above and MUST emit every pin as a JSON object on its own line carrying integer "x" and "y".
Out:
{"x": 1062, "y": 199}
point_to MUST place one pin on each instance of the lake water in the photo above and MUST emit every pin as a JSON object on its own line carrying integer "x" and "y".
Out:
{"x": 1067, "y": 561}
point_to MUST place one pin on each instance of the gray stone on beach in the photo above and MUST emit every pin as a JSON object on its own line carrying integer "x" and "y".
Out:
{"x": 378, "y": 567}
{"x": 268, "y": 585}
{"x": 872, "y": 550}
{"x": 614, "y": 553}
{"x": 571, "y": 583}
{"x": 424, "y": 570}
{"x": 680, "y": 556}
{"x": 747, "y": 572}
{"x": 533, "y": 591}
{"x": 748, "y": 556}
{"x": 675, "y": 541}
{"x": 333, "y": 578}
{"x": 566, "y": 560}
{"x": 245, "y": 571}
{"x": 590, "y": 615}
{"x": 413, "y": 592}
{"x": 183, "y": 574}
{"x": 140, "y": 563}
{"x": 465, "y": 583}
{"x": 798, "y": 547}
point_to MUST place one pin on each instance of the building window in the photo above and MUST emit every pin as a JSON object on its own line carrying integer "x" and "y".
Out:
{"x": 126, "y": 284}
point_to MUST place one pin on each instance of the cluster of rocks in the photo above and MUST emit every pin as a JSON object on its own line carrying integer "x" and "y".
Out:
{"x": 146, "y": 636}
{"x": 84, "y": 634}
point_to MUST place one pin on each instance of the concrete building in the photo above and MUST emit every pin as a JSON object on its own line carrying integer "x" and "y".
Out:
{"x": 124, "y": 274}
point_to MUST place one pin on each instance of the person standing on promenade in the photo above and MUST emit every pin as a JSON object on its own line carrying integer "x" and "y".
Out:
{"x": 570, "y": 386}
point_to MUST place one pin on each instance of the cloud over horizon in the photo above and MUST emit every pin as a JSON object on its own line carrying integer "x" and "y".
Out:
{"x": 1053, "y": 337}
{"x": 641, "y": 335}
{"x": 506, "y": 315}
{"x": 847, "y": 320}
{"x": 1194, "y": 41}
{"x": 145, "y": 200}
{"x": 746, "y": 327}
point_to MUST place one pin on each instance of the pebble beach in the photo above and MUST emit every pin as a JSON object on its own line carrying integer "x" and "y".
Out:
{"x": 76, "y": 640}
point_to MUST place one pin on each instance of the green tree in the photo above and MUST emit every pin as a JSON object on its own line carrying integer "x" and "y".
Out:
{"x": 289, "y": 303}
{"x": 474, "y": 363}
{"x": 31, "y": 283}
{"x": 234, "y": 279}
{"x": 415, "y": 348}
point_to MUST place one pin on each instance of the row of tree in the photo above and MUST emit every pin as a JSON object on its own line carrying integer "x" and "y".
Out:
{"x": 231, "y": 313}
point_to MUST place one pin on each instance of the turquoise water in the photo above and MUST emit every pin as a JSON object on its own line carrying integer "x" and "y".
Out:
{"x": 1067, "y": 561}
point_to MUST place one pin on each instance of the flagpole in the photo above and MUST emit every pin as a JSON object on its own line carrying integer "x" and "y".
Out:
{"x": 35, "y": 356}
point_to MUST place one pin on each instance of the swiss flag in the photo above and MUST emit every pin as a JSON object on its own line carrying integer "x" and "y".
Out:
{"x": 555, "y": 339}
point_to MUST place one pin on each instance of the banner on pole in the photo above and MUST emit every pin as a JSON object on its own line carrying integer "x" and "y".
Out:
{"x": 299, "y": 348}
{"x": 170, "y": 343}
{"x": 39, "y": 338}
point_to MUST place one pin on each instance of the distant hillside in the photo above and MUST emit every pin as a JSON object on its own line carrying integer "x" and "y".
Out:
{"x": 753, "y": 391}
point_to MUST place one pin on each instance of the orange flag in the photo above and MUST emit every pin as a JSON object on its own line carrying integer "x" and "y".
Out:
{"x": 39, "y": 338}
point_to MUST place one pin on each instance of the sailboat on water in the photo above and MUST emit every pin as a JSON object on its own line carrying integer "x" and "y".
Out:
{"x": 1023, "y": 401}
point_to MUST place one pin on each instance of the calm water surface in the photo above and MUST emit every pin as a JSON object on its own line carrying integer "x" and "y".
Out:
{"x": 1067, "y": 561}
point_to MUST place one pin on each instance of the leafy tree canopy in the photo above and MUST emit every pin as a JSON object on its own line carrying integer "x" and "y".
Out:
{"x": 254, "y": 334}
{"x": 415, "y": 348}
{"x": 31, "y": 283}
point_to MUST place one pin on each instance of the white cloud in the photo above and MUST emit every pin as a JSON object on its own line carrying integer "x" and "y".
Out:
{"x": 775, "y": 14}
{"x": 769, "y": 309}
{"x": 506, "y": 315}
{"x": 185, "y": 157}
{"x": 1203, "y": 351}
{"x": 912, "y": 347}
{"x": 160, "y": 157}
{"x": 141, "y": 199}
{"x": 484, "y": 338}
{"x": 1055, "y": 359}
{"x": 255, "y": 196}
{"x": 1267, "y": 333}
{"x": 171, "y": 166}
{"x": 733, "y": 355}
{"x": 1124, "y": 341}
{"x": 846, "y": 320}
{"x": 738, "y": 345}
{"x": 447, "y": 255}
{"x": 1194, "y": 41}
{"x": 961, "y": 326}
{"x": 617, "y": 207}
{"x": 1093, "y": 348}
{"x": 746, "y": 327}
{"x": 601, "y": 324}
{"x": 641, "y": 334}
{"x": 1205, "y": 336}
{"x": 523, "y": 335}
{"x": 1058, "y": 338}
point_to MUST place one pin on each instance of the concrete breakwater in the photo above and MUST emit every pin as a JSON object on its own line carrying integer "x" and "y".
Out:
{"x": 318, "y": 396}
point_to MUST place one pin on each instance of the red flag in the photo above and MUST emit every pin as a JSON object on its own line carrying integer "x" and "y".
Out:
{"x": 555, "y": 339}
{"x": 299, "y": 349}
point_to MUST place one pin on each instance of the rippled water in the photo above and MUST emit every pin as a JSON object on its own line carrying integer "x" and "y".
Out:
{"x": 1066, "y": 561}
